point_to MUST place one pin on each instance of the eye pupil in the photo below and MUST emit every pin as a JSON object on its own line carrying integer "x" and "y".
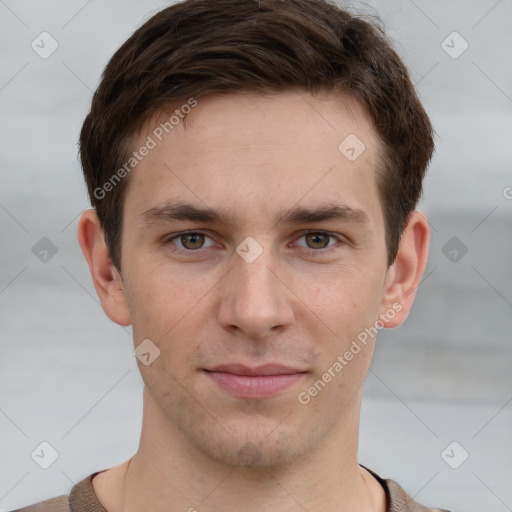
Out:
{"x": 192, "y": 240}
{"x": 319, "y": 240}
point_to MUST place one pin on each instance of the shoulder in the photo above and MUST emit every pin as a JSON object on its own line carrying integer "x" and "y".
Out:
{"x": 397, "y": 499}
{"x": 401, "y": 501}
{"x": 80, "y": 499}
{"x": 57, "y": 504}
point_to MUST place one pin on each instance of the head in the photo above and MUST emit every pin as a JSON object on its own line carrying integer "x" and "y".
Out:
{"x": 254, "y": 168}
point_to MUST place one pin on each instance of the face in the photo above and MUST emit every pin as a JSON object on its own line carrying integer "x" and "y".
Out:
{"x": 253, "y": 257}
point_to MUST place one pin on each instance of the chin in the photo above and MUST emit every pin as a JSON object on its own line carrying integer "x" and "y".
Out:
{"x": 256, "y": 435}
{"x": 259, "y": 449}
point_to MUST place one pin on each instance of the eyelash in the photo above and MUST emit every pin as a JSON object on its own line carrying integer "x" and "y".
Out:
{"x": 311, "y": 252}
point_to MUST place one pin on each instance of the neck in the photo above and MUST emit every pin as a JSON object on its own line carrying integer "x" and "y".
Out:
{"x": 167, "y": 474}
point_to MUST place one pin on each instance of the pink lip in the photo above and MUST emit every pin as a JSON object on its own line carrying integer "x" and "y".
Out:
{"x": 260, "y": 382}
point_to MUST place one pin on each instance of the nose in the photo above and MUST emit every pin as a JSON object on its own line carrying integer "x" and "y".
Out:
{"x": 254, "y": 299}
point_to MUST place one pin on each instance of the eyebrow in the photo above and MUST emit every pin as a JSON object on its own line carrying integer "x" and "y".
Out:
{"x": 170, "y": 211}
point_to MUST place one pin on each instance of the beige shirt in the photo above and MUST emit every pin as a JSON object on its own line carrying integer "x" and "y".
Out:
{"x": 83, "y": 499}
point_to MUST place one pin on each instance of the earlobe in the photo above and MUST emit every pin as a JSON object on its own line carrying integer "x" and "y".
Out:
{"x": 106, "y": 278}
{"x": 404, "y": 276}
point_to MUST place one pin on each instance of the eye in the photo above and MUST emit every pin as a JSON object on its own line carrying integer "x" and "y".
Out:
{"x": 318, "y": 241}
{"x": 191, "y": 241}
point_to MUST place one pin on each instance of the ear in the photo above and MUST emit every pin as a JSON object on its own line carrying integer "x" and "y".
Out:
{"x": 106, "y": 278}
{"x": 404, "y": 276}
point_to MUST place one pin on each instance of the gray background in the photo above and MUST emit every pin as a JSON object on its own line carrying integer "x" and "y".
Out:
{"x": 67, "y": 373}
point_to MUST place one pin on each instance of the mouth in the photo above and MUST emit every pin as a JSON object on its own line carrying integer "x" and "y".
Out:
{"x": 259, "y": 382}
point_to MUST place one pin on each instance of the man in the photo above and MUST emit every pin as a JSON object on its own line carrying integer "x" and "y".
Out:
{"x": 254, "y": 168}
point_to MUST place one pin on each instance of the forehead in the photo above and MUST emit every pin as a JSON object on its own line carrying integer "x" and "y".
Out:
{"x": 257, "y": 153}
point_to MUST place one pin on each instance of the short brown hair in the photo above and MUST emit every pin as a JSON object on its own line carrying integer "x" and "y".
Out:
{"x": 197, "y": 47}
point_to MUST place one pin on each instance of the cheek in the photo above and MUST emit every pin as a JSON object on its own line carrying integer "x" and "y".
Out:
{"x": 172, "y": 313}
{"x": 345, "y": 307}
{"x": 156, "y": 304}
{"x": 346, "y": 298}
